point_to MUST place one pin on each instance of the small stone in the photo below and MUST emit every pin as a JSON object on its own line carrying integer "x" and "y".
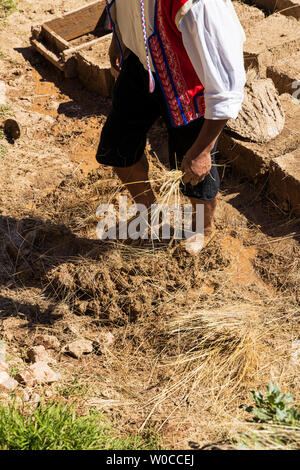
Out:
{"x": 194, "y": 445}
{"x": 3, "y": 376}
{"x": 43, "y": 374}
{"x": 39, "y": 354}
{"x": 35, "y": 398}
{"x": 79, "y": 347}
{"x": 25, "y": 396}
{"x": 106, "y": 338}
{"x": 38, "y": 372}
{"x": 295, "y": 356}
{"x": 3, "y": 367}
{"x": 25, "y": 377}
{"x": 2, "y": 351}
{"x": 7, "y": 383}
{"x": 81, "y": 306}
{"x": 48, "y": 341}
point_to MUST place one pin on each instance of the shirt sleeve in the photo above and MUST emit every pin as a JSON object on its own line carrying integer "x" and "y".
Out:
{"x": 213, "y": 38}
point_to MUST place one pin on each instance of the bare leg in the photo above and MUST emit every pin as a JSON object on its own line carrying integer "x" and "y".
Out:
{"x": 209, "y": 212}
{"x": 135, "y": 178}
{"x": 195, "y": 243}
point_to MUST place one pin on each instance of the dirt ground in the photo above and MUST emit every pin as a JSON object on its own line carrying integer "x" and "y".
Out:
{"x": 180, "y": 340}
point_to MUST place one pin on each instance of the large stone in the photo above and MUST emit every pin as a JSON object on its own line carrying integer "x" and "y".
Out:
{"x": 285, "y": 74}
{"x": 261, "y": 118}
{"x": 271, "y": 39}
{"x": 286, "y": 7}
{"x": 49, "y": 341}
{"x": 252, "y": 159}
{"x": 284, "y": 179}
{"x": 79, "y": 347}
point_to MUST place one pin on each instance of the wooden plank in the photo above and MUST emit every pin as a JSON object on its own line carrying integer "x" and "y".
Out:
{"x": 79, "y": 22}
{"x": 47, "y": 54}
{"x": 67, "y": 53}
{"x": 54, "y": 39}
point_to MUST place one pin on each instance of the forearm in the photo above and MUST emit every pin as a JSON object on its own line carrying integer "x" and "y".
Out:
{"x": 207, "y": 138}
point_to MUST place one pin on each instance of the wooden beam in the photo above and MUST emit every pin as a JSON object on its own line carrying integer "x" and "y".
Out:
{"x": 67, "y": 53}
{"x": 47, "y": 54}
{"x": 54, "y": 39}
{"x": 82, "y": 21}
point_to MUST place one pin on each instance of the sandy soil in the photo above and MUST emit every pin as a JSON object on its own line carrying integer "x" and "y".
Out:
{"x": 57, "y": 278}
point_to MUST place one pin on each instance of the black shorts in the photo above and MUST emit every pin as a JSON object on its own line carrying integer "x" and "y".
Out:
{"x": 134, "y": 111}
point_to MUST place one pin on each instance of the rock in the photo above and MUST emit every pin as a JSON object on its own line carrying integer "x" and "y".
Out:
{"x": 25, "y": 377}
{"x": 39, "y": 354}
{"x": 7, "y": 383}
{"x": 35, "y": 398}
{"x": 39, "y": 373}
{"x": 295, "y": 353}
{"x": 49, "y": 341}
{"x": 14, "y": 328}
{"x": 106, "y": 338}
{"x": 81, "y": 306}
{"x": 12, "y": 129}
{"x": 2, "y": 351}
{"x": 43, "y": 374}
{"x": 25, "y": 396}
{"x": 79, "y": 347}
{"x": 262, "y": 117}
{"x": 3, "y": 367}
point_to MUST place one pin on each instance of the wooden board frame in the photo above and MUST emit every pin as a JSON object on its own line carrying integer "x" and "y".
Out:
{"x": 53, "y": 38}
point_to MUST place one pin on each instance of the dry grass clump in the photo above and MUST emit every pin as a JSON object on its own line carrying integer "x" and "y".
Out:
{"x": 216, "y": 348}
{"x": 268, "y": 437}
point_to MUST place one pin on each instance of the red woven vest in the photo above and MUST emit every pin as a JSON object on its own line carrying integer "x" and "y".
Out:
{"x": 180, "y": 83}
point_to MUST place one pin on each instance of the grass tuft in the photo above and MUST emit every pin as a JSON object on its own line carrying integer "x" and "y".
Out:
{"x": 55, "y": 426}
{"x": 7, "y": 7}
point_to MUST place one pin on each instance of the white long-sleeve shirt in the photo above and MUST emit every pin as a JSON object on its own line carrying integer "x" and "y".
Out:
{"x": 213, "y": 38}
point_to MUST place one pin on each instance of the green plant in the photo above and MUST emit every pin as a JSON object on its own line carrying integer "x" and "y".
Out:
{"x": 4, "y": 110}
{"x": 275, "y": 407}
{"x": 55, "y": 426}
{"x": 14, "y": 370}
{"x": 7, "y": 7}
{"x": 277, "y": 421}
{"x": 3, "y": 150}
{"x": 73, "y": 389}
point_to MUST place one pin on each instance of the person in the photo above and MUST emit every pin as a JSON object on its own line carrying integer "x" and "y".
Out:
{"x": 181, "y": 60}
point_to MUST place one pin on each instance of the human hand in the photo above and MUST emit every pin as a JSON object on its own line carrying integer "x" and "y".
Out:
{"x": 114, "y": 55}
{"x": 195, "y": 169}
